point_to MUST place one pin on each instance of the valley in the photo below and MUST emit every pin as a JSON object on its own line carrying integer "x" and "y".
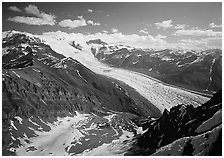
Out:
{"x": 58, "y": 99}
{"x": 151, "y": 89}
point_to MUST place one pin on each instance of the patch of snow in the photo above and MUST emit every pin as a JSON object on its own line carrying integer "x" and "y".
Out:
{"x": 128, "y": 55}
{"x": 117, "y": 56}
{"x": 50, "y": 56}
{"x": 24, "y": 45}
{"x": 36, "y": 70}
{"x": 80, "y": 75}
{"x": 19, "y": 119}
{"x": 5, "y": 51}
{"x": 135, "y": 62}
{"x": 12, "y": 149}
{"x": 16, "y": 74}
{"x": 12, "y": 124}
{"x": 199, "y": 59}
{"x": 109, "y": 117}
{"x": 14, "y": 139}
{"x": 166, "y": 58}
{"x": 115, "y": 148}
{"x": 33, "y": 122}
{"x": 60, "y": 65}
{"x": 140, "y": 130}
{"x": 63, "y": 133}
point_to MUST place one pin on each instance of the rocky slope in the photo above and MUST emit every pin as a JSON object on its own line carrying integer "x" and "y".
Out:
{"x": 39, "y": 83}
{"x": 184, "y": 130}
{"x": 196, "y": 70}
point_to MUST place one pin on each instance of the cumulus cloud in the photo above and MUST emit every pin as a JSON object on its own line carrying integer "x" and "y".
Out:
{"x": 90, "y": 10}
{"x": 93, "y": 23}
{"x": 165, "y": 24}
{"x": 180, "y": 26}
{"x": 40, "y": 18}
{"x": 144, "y": 31}
{"x": 104, "y": 31}
{"x": 160, "y": 36}
{"x": 30, "y": 20}
{"x": 15, "y": 9}
{"x": 77, "y": 23}
{"x": 213, "y": 25}
{"x": 73, "y": 23}
{"x": 197, "y": 32}
{"x": 200, "y": 44}
{"x": 114, "y": 30}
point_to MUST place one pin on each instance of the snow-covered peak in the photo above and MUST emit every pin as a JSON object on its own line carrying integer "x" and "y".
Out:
{"x": 12, "y": 32}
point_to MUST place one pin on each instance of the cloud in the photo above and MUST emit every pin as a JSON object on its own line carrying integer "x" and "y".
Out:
{"x": 77, "y": 23}
{"x": 169, "y": 24}
{"x": 143, "y": 41}
{"x": 15, "y": 9}
{"x": 160, "y": 36}
{"x": 197, "y": 32}
{"x": 144, "y": 31}
{"x": 30, "y": 20}
{"x": 104, "y": 31}
{"x": 180, "y": 26}
{"x": 114, "y": 30}
{"x": 41, "y": 18}
{"x": 93, "y": 23}
{"x": 90, "y": 10}
{"x": 73, "y": 23}
{"x": 165, "y": 24}
{"x": 213, "y": 25}
{"x": 32, "y": 9}
{"x": 201, "y": 44}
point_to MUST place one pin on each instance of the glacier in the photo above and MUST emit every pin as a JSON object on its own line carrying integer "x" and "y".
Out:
{"x": 160, "y": 94}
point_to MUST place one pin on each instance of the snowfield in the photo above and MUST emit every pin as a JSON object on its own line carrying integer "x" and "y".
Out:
{"x": 161, "y": 95}
{"x": 81, "y": 134}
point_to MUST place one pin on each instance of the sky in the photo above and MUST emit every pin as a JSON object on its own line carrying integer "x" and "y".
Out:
{"x": 157, "y": 25}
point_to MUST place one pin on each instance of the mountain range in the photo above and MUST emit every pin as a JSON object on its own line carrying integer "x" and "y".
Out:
{"x": 60, "y": 97}
{"x": 197, "y": 70}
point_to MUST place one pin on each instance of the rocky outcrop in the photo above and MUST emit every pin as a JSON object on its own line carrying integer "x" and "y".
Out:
{"x": 180, "y": 122}
{"x": 96, "y": 41}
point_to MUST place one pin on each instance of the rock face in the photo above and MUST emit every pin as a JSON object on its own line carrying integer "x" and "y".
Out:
{"x": 38, "y": 82}
{"x": 184, "y": 130}
{"x": 195, "y": 70}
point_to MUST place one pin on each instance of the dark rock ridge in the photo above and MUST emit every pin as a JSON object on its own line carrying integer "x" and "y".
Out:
{"x": 76, "y": 46}
{"x": 186, "y": 124}
{"x": 96, "y": 41}
{"x": 189, "y": 69}
{"x": 36, "y": 81}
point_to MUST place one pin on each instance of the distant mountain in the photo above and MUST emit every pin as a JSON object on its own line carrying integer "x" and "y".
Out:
{"x": 190, "y": 69}
{"x": 184, "y": 130}
{"x": 96, "y": 41}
